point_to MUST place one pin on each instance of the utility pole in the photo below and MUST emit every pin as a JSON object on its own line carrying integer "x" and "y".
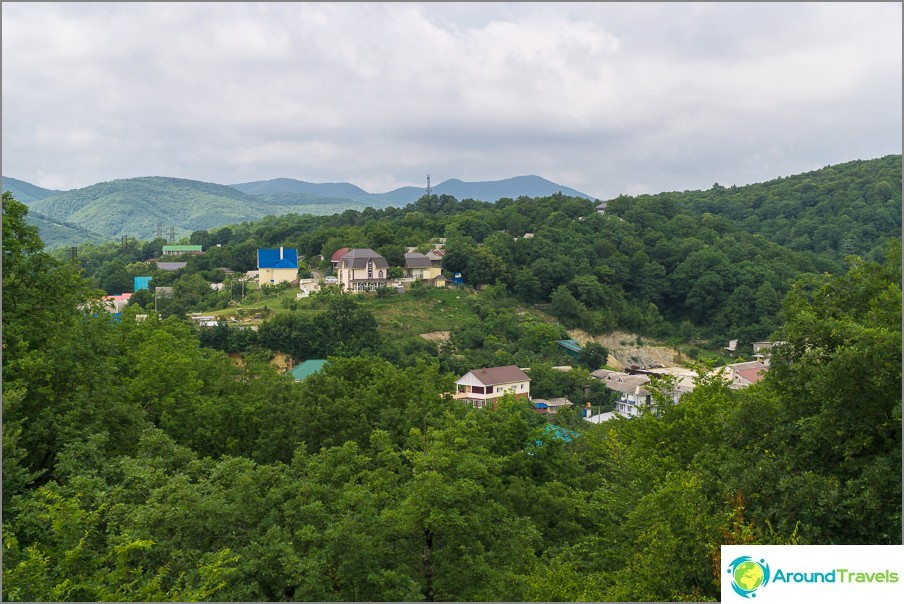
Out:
{"x": 172, "y": 234}
{"x": 429, "y": 190}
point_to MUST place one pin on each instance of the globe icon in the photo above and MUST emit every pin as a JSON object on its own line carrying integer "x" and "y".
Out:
{"x": 748, "y": 575}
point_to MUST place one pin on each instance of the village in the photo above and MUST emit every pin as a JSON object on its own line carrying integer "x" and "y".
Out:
{"x": 635, "y": 384}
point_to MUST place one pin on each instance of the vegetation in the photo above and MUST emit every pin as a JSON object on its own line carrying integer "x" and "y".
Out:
{"x": 141, "y": 462}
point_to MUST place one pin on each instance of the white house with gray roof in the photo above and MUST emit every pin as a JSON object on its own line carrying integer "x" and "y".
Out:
{"x": 362, "y": 269}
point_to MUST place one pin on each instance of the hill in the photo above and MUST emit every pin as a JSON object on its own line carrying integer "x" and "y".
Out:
{"x": 520, "y": 186}
{"x": 24, "y": 191}
{"x": 840, "y": 210}
{"x": 57, "y": 235}
{"x": 302, "y": 192}
{"x": 341, "y": 190}
{"x": 137, "y": 206}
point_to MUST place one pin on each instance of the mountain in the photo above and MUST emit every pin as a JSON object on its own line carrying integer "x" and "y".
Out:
{"x": 25, "y": 192}
{"x": 527, "y": 186}
{"x": 56, "y": 235}
{"x": 136, "y": 207}
{"x": 341, "y": 190}
{"x": 288, "y": 190}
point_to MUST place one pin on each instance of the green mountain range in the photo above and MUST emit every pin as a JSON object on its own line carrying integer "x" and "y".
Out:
{"x": 145, "y": 207}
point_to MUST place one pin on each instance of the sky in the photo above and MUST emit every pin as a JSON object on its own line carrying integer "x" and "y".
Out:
{"x": 606, "y": 98}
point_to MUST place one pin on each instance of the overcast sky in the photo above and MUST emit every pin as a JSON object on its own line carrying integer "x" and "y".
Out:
{"x": 606, "y": 98}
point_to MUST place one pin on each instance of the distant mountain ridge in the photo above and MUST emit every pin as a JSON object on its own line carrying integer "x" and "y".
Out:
{"x": 25, "y": 191}
{"x": 140, "y": 207}
{"x": 491, "y": 191}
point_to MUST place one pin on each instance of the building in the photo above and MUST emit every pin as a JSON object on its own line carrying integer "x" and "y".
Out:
{"x": 550, "y": 406}
{"x": 140, "y": 283}
{"x": 634, "y": 394}
{"x": 421, "y": 267}
{"x": 572, "y": 347}
{"x": 115, "y": 304}
{"x": 483, "y": 387}
{"x": 362, "y": 269}
{"x": 337, "y": 256}
{"x": 307, "y": 368}
{"x": 276, "y": 266}
{"x": 601, "y": 208}
{"x": 171, "y": 266}
{"x": 178, "y": 250}
{"x": 741, "y": 375}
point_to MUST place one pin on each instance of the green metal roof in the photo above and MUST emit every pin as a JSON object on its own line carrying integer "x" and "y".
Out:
{"x": 181, "y": 248}
{"x": 307, "y": 368}
{"x": 571, "y": 345}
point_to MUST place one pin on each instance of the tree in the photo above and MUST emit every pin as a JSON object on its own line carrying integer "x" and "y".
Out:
{"x": 593, "y": 356}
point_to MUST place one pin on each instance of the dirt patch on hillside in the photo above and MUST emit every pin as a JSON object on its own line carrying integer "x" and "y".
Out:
{"x": 436, "y": 336}
{"x": 627, "y": 350}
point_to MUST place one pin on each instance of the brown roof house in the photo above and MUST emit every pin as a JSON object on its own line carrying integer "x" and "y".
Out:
{"x": 483, "y": 387}
{"x": 362, "y": 269}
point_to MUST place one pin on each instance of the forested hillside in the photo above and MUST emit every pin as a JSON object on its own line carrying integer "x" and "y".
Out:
{"x": 136, "y": 207}
{"x": 141, "y": 465}
{"x": 838, "y": 210}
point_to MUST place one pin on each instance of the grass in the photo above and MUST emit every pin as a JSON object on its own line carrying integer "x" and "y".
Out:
{"x": 407, "y": 314}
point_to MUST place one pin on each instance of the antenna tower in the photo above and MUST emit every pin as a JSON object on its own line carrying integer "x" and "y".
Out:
{"x": 428, "y": 185}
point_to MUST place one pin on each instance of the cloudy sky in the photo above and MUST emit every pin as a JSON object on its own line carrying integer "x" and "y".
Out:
{"x": 606, "y": 98}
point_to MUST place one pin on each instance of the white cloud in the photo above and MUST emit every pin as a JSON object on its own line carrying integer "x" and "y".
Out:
{"x": 607, "y": 97}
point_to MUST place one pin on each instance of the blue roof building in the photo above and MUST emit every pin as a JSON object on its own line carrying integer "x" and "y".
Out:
{"x": 141, "y": 283}
{"x": 278, "y": 265}
{"x": 277, "y": 258}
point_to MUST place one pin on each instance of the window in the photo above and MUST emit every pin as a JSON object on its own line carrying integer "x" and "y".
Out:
{"x": 380, "y": 274}
{"x": 370, "y": 270}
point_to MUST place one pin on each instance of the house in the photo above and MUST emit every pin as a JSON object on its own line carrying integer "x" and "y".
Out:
{"x": 115, "y": 304}
{"x": 337, "y": 256}
{"x": 601, "y": 208}
{"x": 171, "y": 266}
{"x": 550, "y": 406}
{"x": 140, "y": 283}
{"x": 634, "y": 392}
{"x": 762, "y": 351}
{"x": 741, "y": 375}
{"x": 421, "y": 267}
{"x": 362, "y": 269}
{"x": 178, "y": 250}
{"x": 483, "y": 387}
{"x": 277, "y": 266}
{"x": 307, "y": 368}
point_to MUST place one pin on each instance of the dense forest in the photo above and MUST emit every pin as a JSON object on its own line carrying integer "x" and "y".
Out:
{"x": 140, "y": 462}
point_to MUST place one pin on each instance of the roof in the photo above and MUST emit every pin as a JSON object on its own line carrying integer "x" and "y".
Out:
{"x": 752, "y": 375}
{"x": 569, "y": 345}
{"x": 277, "y": 258}
{"x": 551, "y": 402}
{"x": 307, "y": 368}
{"x": 181, "y": 248}
{"x": 622, "y": 382}
{"x": 359, "y": 257}
{"x": 416, "y": 260}
{"x": 338, "y": 254}
{"x": 490, "y": 376}
{"x": 171, "y": 266}
{"x": 141, "y": 283}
